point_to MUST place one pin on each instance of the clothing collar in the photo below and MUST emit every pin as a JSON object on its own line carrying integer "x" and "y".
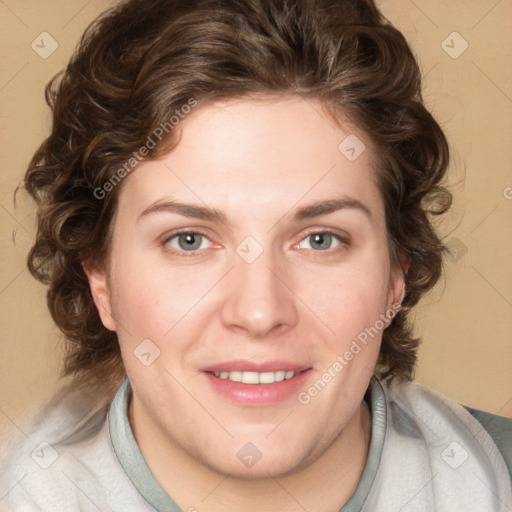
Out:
{"x": 134, "y": 465}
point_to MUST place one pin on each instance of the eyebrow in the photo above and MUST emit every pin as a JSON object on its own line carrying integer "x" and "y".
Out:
{"x": 186, "y": 210}
{"x": 331, "y": 205}
{"x": 213, "y": 215}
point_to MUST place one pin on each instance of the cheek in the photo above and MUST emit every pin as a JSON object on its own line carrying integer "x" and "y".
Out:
{"x": 350, "y": 299}
{"x": 155, "y": 300}
{"x": 141, "y": 301}
{"x": 351, "y": 305}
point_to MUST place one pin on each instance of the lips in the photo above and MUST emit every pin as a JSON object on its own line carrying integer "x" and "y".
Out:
{"x": 249, "y": 383}
{"x": 253, "y": 366}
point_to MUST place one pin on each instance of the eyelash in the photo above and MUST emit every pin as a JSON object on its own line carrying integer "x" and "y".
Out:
{"x": 177, "y": 234}
{"x": 344, "y": 242}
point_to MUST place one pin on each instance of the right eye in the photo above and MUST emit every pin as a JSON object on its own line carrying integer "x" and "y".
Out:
{"x": 188, "y": 242}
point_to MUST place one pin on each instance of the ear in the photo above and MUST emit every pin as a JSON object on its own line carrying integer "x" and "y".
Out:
{"x": 99, "y": 286}
{"x": 405, "y": 263}
{"x": 397, "y": 282}
{"x": 396, "y": 292}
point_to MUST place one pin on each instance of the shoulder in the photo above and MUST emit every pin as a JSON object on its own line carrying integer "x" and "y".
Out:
{"x": 63, "y": 459}
{"x": 500, "y": 430}
{"x": 465, "y": 452}
{"x": 35, "y": 454}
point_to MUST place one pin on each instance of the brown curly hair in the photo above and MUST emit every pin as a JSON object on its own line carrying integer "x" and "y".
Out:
{"x": 142, "y": 61}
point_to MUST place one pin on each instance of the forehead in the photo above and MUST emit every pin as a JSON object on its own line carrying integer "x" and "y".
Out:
{"x": 248, "y": 154}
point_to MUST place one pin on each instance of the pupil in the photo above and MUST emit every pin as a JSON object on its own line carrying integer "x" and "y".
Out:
{"x": 321, "y": 241}
{"x": 189, "y": 241}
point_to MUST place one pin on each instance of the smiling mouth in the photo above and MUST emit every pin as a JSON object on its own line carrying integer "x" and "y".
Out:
{"x": 256, "y": 377}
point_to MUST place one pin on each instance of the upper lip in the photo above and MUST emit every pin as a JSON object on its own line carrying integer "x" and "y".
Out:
{"x": 253, "y": 366}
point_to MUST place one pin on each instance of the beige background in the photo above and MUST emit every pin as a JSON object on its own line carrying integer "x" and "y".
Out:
{"x": 466, "y": 323}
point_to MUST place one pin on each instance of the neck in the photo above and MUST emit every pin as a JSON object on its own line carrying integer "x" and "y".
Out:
{"x": 325, "y": 485}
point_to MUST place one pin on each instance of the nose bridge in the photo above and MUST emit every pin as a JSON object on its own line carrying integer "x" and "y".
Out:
{"x": 256, "y": 300}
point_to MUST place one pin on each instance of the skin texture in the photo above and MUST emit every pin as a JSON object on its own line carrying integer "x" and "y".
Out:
{"x": 257, "y": 161}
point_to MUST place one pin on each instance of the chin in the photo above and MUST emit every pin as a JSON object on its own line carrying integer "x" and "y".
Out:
{"x": 273, "y": 467}
{"x": 253, "y": 461}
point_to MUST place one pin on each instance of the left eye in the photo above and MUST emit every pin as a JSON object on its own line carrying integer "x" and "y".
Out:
{"x": 320, "y": 242}
{"x": 188, "y": 241}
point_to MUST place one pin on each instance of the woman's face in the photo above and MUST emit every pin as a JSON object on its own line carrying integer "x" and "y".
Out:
{"x": 249, "y": 284}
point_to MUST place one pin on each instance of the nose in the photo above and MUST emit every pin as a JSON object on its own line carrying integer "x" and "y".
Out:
{"x": 257, "y": 301}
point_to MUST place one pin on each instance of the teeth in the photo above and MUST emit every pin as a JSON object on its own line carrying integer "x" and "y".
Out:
{"x": 255, "y": 377}
{"x": 280, "y": 376}
{"x": 267, "y": 377}
{"x": 250, "y": 378}
{"x": 235, "y": 376}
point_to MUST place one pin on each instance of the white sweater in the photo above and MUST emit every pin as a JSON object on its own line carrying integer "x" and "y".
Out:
{"x": 427, "y": 454}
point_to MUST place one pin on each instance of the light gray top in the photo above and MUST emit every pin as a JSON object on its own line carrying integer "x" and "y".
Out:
{"x": 134, "y": 465}
{"x": 427, "y": 454}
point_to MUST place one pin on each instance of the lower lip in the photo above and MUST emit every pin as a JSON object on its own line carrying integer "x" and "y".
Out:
{"x": 258, "y": 394}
